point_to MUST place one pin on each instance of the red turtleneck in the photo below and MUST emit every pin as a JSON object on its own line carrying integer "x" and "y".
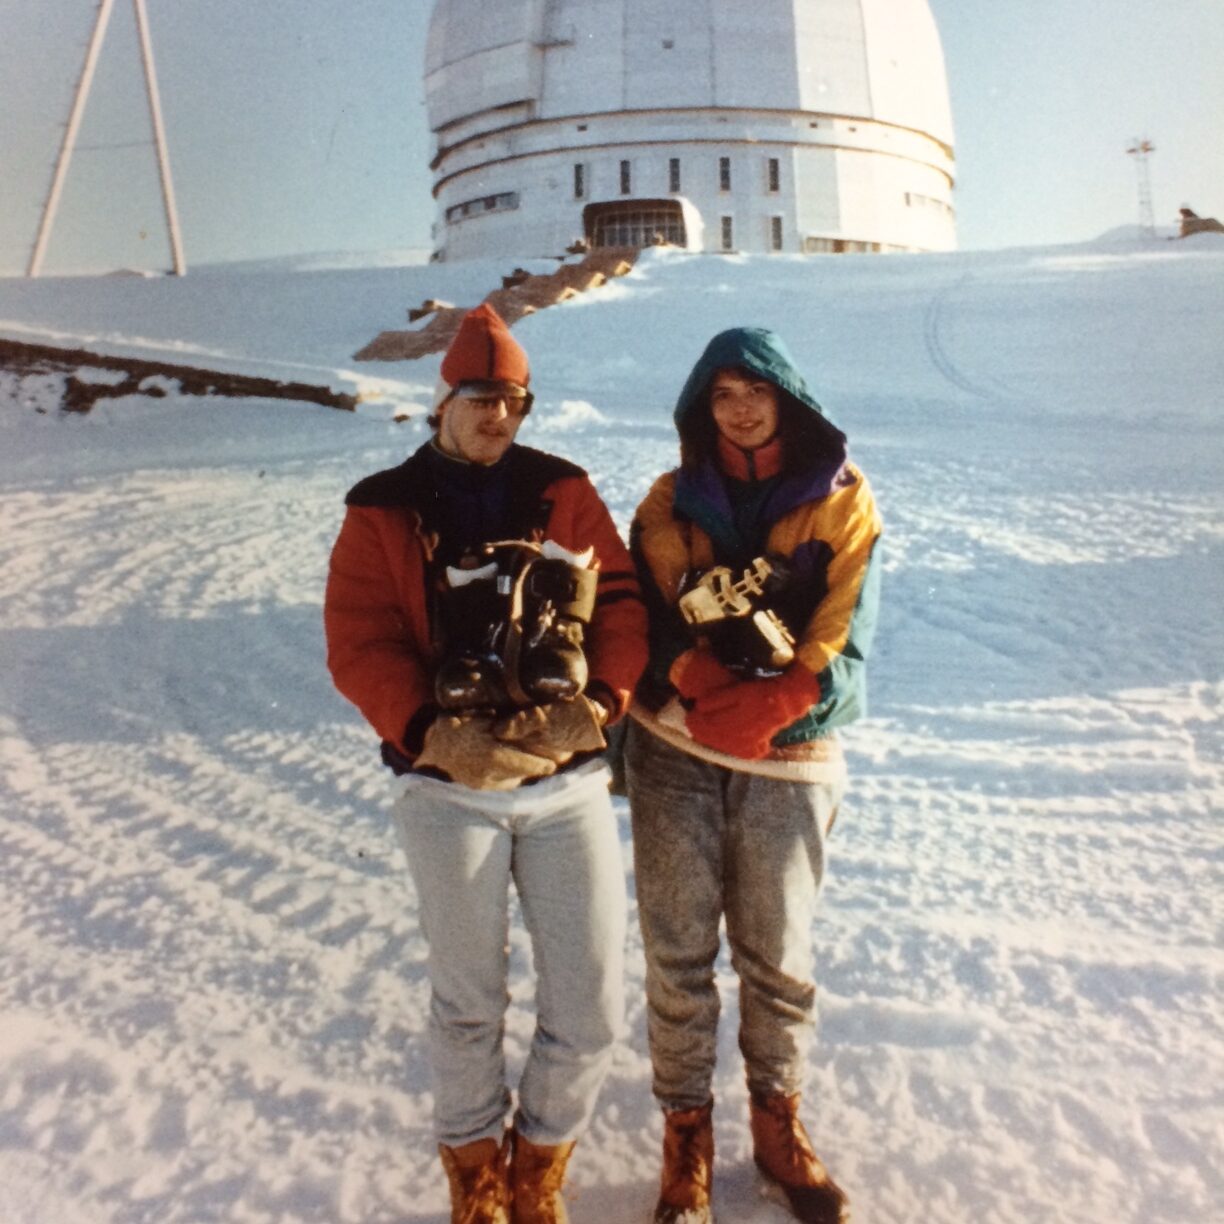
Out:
{"x": 760, "y": 463}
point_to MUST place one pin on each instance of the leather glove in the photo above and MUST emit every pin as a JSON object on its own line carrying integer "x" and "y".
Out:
{"x": 697, "y": 672}
{"x": 555, "y": 731}
{"x": 466, "y": 749}
{"x": 604, "y": 700}
{"x": 742, "y": 718}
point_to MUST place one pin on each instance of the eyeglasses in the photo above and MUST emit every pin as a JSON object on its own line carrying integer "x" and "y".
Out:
{"x": 517, "y": 400}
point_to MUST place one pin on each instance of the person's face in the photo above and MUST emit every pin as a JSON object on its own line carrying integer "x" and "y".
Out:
{"x": 745, "y": 409}
{"x": 478, "y": 424}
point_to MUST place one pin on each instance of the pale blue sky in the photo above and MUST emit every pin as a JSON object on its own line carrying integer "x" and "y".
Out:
{"x": 299, "y": 125}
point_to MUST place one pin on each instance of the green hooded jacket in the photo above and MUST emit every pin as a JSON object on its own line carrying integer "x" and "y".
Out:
{"x": 818, "y": 514}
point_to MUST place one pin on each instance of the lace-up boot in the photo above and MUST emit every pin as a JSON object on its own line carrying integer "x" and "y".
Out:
{"x": 537, "y": 1173}
{"x": 688, "y": 1166}
{"x": 783, "y": 1152}
{"x": 479, "y": 1188}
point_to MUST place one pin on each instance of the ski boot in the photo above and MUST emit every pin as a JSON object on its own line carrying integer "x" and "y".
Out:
{"x": 472, "y": 613}
{"x": 512, "y": 623}
{"x": 558, "y": 598}
{"x": 736, "y": 616}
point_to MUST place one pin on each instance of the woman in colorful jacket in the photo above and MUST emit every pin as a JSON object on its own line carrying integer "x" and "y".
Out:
{"x": 757, "y": 559}
{"x": 483, "y": 615}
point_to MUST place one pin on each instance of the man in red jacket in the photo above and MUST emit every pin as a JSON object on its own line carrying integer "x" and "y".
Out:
{"x": 483, "y": 615}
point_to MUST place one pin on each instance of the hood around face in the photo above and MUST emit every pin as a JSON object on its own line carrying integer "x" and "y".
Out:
{"x": 765, "y": 354}
{"x": 810, "y": 472}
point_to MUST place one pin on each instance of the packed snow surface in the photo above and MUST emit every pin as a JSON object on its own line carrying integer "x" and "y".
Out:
{"x": 213, "y": 994}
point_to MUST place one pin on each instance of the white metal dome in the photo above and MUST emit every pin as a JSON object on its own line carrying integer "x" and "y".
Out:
{"x": 786, "y": 124}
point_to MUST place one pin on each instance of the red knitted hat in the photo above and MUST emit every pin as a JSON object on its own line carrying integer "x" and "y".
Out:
{"x": 483, "y": 350}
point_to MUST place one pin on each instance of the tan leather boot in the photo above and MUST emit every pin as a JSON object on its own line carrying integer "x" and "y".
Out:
{"x": 479, "y": 1187}
{"x": 688, "y": 1166}
{"x": 783, "y": 1153}
{"x": 537, "y": 1172}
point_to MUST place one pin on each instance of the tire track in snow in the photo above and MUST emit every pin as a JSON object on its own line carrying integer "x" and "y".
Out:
{"x": 201, "y": 830}
{"x": 155, "y": 874}
{"x": 304, "y": 1036}
{"x": 937, "y": 350}
{"x": 59, "y": 569}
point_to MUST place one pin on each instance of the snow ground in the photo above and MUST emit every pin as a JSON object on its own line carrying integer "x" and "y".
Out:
{"x": 212, "y": 989}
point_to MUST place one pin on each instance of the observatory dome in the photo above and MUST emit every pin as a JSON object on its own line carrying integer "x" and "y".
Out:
{"x": 775, "y": 125}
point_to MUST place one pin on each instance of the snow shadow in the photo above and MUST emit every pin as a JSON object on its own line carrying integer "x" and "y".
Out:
{"x": 1007, "y": 629}
{"x": 147, "y": 675}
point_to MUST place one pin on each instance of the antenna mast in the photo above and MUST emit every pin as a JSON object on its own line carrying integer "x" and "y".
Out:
{"x": 84, "y": 83}
{"x": 1141, "y": 149}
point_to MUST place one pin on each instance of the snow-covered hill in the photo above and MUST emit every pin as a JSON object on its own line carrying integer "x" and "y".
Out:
{"x": 212, "y": 988}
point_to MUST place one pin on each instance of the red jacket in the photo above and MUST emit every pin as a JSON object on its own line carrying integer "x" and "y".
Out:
{"x": 376, "y": 609}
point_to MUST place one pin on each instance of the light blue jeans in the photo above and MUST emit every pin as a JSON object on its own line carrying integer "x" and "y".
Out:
{"x": 557, "y": 841}
{"x": 709, "y": 843}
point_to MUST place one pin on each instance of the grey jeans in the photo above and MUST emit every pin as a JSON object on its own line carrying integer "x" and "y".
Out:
{"x": 709, "y": 843}
{"x": 557, "y": 842}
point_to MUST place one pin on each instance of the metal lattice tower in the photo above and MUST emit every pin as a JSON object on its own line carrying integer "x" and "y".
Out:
{"x": 74, "y": 122}
{"x": 1141, "y": 149}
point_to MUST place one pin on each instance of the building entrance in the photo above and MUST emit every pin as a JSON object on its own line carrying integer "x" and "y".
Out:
{"x": 635, "y": 223}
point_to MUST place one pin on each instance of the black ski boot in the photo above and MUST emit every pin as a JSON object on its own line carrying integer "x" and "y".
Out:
{"x": 473, "y": 615}
{"x": 558, "y": 600}
{"x": 512, "y": 627}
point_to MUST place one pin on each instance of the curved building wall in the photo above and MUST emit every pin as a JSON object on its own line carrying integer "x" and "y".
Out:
{"x": 789, "y": 125}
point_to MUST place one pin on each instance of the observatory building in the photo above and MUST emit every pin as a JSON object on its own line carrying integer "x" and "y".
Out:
{"x": 802, "y": 126}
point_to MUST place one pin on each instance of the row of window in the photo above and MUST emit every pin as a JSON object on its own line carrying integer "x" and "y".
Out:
{"x": 914, "y": 199}
{"x": 645, "y": 227}
{"x": 628, "y": 226}
{"x": 504, "y": 201}
{"x": 773, "y": 176}
{"x": 507, "y": 200}
{"x": 727, "y": 233}
{"x": 641, "y": 227}
{"x": 848, "y": 246}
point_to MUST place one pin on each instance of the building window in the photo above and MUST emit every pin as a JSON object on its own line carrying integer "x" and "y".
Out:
{"x": 728, "y": 234}
{"x": 634, "y": 223}
{"x": 626, "y": 178}
{"x": 914, "y": 199}
{"x": 843, "y": 246}
{"x": 774, "y": 175}
{"x": 724, "y": 174}
{"x": 579, "y": 182}
{"x": 503, "y": 202}
{"x": 673, "y": 174}
{"x": 775, "y": 233}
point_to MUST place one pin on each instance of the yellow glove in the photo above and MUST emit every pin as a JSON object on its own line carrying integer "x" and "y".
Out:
{"x": 465, "y": 748}
{"x": 557, "y": 730}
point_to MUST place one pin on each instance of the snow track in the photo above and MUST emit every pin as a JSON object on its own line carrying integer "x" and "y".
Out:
{"x": 935, "y": 324}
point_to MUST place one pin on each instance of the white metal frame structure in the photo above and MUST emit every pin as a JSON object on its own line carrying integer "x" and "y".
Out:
{"x": 1141, "y": 150}
{"x": 68, "y": 145}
